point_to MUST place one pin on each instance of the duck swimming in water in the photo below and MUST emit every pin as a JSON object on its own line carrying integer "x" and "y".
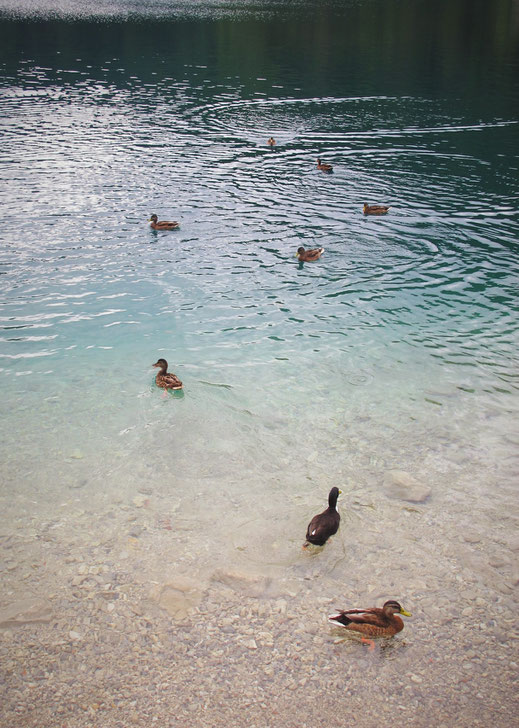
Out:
{"x": 164, "y": 379}
{"x": 324, "y": 167}
{"x": 373, "y": 622}
{"x": 325, "y": 524}
{"x": 375, "y": 209}
{"x": 307, "y": 256}
{"x": 271, "y": 142}
{"x": 157, "y": 224}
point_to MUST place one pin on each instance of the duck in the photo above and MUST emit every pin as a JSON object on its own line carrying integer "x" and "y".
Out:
{"x": 271, "y": 142}
{"x": 165, "y": 379}
{"x": 375, "y": 209}
{"x": 325, "y": 524}
{"x": 324, "y": 167}
{"x": 162, "y": 224}
{"x": 373, "y": 622}
{"x": 307, "y": 256}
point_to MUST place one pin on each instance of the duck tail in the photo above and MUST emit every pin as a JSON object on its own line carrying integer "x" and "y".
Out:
{"x": 339, "y": 618}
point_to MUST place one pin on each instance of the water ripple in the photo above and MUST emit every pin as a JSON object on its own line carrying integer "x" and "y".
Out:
{"x": 92, "y": 151}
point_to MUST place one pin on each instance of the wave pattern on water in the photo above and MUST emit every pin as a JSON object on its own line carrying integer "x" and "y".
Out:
{"x": 248, "y": 208}
{"x": 425, "y": 293}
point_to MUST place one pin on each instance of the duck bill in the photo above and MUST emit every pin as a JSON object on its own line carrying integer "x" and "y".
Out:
{"x": 406, "y": 614}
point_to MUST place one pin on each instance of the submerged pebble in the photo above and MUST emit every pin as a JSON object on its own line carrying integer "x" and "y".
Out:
{"x": 402, "y": 485}
{"x": 26, "y": 611}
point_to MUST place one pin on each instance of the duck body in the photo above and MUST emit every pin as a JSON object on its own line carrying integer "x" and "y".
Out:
{"x": 325, "y": 524}
{"x": 157, "y": 224}
{"x": 271, "y": 142}
{"x": 324, "y": 167}
{"x": 165, "y": 379}
{"x": 307, "y": 256}
{"x": 374, "y": 621}
{"x": 375, "y": 209}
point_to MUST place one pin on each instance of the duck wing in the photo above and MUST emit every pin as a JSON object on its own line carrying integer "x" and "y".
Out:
{"x": 372, "y": 616}
{"x": 314, "y": 527}
{"x": 377, "y": 209}
{"x": 173, "y": 381}
{"x": 168, "y": 381}
{"x": 314, "y": 253}
{"x": 322, "y": 526}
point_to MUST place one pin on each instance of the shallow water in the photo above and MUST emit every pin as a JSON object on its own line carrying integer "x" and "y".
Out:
{"x": 396, "y": 351}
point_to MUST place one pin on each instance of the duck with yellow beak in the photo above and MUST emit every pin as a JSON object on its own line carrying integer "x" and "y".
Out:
{"x": 373, "y": 622}
{"x": 325, "y": 524}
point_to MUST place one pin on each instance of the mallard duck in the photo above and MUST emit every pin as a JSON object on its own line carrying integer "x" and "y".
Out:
{"x": 373, "y": 622}
{"x": 325, "y": 524}
{"x": 375, "y": 209}
{"x": 162, "y": 224}
{"x": 271, "y": 142}
{"x": 164, "y": 379}
{"x": 324, "y": 167}
{"x": 307, "y": 256}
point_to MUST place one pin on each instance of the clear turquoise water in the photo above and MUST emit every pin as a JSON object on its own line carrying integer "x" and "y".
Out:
{"x": 398, "y": 349}
{"x": 104, "y": 123}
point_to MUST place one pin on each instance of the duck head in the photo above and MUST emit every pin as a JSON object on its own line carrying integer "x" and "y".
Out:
{"x": 333, "y": 496}
{"x": 391, "y": 607}
{"x": 161, "y": 364}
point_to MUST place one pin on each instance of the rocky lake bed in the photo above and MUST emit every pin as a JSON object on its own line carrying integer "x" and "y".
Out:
{"x": 107, "y": 618}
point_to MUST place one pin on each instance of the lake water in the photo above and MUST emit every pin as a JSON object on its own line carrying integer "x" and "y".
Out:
{"x": 157, "y": 539}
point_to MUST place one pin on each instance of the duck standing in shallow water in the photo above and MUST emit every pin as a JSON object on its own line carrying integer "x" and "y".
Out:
{"x": 166, "y": 380}
{"x": 324, "y": 167}
{"x": 373, "y": 622}
{"x": 325, "y": 524}
{"x": 157, "y": 224}
{"x": 375, "y": 209}
{"x": 307, "y": 256}
{"x": 271, "y": 142}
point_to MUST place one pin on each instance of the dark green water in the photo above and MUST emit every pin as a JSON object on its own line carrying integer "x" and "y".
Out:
{"x": 397, "y": 350}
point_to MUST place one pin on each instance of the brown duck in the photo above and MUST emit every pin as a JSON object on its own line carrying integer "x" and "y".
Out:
{"x": 372, "y": 622}
{"x": 375, "y": 209}
{"x": 307, "y": 256}
{"x": 271, "y": 142}
{"x": 164, "y": 379}
{"x": 325, "y": 524}
{"x": 324, "y": 167}
{"x": 157, "y": 224}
